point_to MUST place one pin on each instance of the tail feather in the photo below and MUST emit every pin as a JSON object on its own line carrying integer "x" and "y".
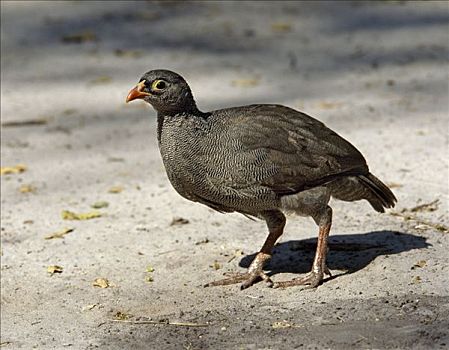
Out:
{"x": 382, "y": 195}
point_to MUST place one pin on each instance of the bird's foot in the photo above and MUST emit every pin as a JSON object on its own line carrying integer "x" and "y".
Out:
{"x": 254, "y": 273}
{"x": 312, "y": 279}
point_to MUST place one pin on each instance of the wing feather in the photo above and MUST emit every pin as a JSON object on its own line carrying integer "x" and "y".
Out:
{"x": 280, "y": 148}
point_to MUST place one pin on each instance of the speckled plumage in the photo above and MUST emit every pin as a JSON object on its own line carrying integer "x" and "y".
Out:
{"x": 229, "y": 160}
{"x": 258, "y": 160}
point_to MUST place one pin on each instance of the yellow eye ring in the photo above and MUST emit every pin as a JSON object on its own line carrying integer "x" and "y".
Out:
{"x": 158, "y": 85}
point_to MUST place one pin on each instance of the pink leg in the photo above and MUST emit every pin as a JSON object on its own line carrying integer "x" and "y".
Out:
{"x": 275, "y": 222}
{"x": 319, "y": 267}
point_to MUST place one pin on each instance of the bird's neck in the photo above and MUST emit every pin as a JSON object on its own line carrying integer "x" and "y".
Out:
{"x": 192, "y": 112}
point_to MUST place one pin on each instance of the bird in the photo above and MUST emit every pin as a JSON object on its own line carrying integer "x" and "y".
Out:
{"x": 261, "y": 160}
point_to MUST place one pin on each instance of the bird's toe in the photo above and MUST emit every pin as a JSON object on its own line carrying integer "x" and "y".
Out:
{"x": 312, "y": 280}
{"x": 254, "y": 277}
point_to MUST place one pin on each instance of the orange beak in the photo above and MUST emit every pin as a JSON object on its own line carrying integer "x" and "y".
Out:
{"x": 137, "y": 92}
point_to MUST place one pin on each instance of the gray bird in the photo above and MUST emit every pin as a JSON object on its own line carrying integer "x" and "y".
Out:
{"x": 259, "y": 160}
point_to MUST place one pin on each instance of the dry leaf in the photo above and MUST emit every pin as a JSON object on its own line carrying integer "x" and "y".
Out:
{"x": 416, "y": 280}
{"x": 122, "y": 316}
{"x": 69, "y": 111}
{"x": 281, "y": 27}
{"x": 79, "y": 38}
{"x": 149, "y": 276}
{"x": 203, "y": 241}
{"x": 101, "y": 80}
{"x": 216, "y": 265}
{"x": 245, "y": 83}
{"x": 421, "y": 263}
{"x": 16, "y": 169}
{"x": 88, "y": 307}
{"x": 128, "y": 53}
{"x": 60, "y": 234}
{"x": 68, "y": 215}
{"x": 27, "y": 189}
{"x": 179, "y": 221}
{"x": 101, "y": 282}
{"x": 52, "y": 269}
{"x": 149, "y": 279}
{"x": 100, "y": 204}
{"x": 115, "y": 189}
{"x": 441, "y": 228}
{"x": 281, "y": 324}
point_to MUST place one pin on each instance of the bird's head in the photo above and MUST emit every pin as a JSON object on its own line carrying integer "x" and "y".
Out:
{"x": 166, "y": 91}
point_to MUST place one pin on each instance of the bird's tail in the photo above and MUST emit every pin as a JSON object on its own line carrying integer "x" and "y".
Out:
{"x": 381, "y": 196}
{"x": 369, "y": 187}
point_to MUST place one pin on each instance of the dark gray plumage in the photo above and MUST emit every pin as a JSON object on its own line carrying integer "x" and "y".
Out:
{"x": 258, "y": 160}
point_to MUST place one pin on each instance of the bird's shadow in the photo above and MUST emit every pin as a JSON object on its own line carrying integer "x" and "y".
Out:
{"x": 348, "y": 253}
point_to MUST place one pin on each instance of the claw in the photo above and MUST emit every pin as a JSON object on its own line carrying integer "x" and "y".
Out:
{"x": 236, "y": 278}
{"x": 252, "y": 278}
{"x": 247, "y": 279}
{"x": 255, "y": 272}
{"x": 312, "y": 279}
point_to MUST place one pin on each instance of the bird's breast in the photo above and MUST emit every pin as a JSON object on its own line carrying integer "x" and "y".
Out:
{"x": 210, "y": 166}
{"x": 179, "y": 146}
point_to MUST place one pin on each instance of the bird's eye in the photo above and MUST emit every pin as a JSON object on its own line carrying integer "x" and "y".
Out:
{"x": 158, "y": 85}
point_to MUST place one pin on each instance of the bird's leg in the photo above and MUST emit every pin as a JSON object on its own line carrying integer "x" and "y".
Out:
{"x": 275, "y": 222}
{"x": 319, "y": 267}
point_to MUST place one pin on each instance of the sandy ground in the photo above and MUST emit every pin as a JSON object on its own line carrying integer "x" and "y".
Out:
{"x": 374, "y": 72}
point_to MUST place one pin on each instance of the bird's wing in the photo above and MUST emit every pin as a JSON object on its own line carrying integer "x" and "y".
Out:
{"x": 287, "y": 151}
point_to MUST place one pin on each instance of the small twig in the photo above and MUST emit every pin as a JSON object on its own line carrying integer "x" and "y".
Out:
{"x": 408, "y": 217}
{"x": 180, "y": 324}
{"x": 253, "y": 297}
{"x": 237, "y": 253}
{"x": 232, "y": 258}
{"x": 432, "y": 206}
{"x": 167, "y": 252}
